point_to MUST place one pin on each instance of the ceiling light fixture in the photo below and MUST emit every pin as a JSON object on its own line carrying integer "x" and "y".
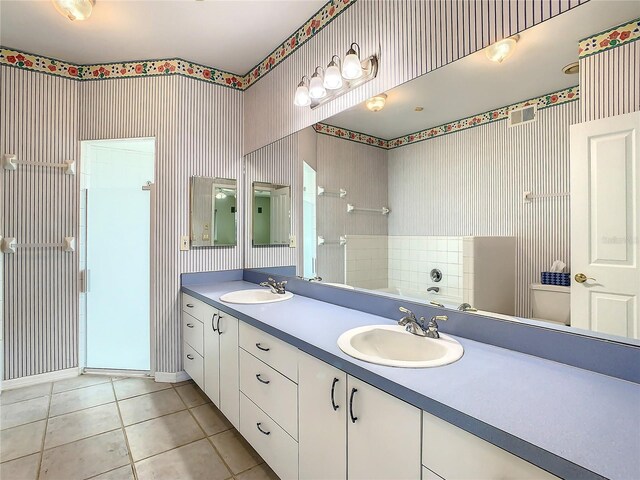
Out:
{"x": 325, "y": 85}
{"x": 375, "y": 104}
{"x": 74, "y": 9}
{"x": 571, "y": 69}
{"x": 502, "y": 49}
{"x": 418, "y": 109}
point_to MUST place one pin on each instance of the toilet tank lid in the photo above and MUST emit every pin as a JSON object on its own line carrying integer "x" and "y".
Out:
{"x": 550, "y": 288}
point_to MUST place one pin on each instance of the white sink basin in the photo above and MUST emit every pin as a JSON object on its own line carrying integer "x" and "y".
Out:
{"x": 392, "y": 345}
{"x": 261, "y": 295}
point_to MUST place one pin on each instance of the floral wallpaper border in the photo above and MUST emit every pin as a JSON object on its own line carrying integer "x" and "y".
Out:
{"x": 176, "y": 66}
{"x": 549, "y": 100}
{"x": 611, "y": 38}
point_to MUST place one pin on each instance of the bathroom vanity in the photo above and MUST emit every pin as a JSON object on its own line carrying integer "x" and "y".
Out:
{"x": 311, "y": 411}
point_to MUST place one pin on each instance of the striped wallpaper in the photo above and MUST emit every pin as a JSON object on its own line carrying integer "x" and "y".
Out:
{"x": 411, "y": 37}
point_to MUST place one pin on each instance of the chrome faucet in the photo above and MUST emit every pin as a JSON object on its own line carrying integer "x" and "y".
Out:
{"x": 465, "y": 307}
{"x": 315, "y": 279}
{"x": 276, "y": 287}
{"x": 410, "y": 322}
{"x": 432, "y": 326}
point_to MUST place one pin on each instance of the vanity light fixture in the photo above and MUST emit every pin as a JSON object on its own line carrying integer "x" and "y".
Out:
{"x": 316, "y": 85}
{"x": 74, "y": 9}
{"x": 351, "y": 67}
{"x": 302, "y": 98}
{"x": 375, "y": 104}
{"x": 332, "y": 75}
{"x": 502, "y": 49}
{"x": 571, "y": 69}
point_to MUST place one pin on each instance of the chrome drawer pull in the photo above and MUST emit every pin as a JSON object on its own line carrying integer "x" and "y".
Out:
{"x": 353, "y": 417}
{"x": 262, "y": 348}
{"x": 333, "y": 391}
{"x": 261, "y": 430}
{"x": 189, "y": 356}
{"x": 266, "y": 382}
{"x": 190, "y": 305}
{"x": 190, "y": 325}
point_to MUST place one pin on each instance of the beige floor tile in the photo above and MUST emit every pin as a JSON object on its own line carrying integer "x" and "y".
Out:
{"x": 122, "y": 473}
{"x": 192, "y": 395}
{"x": 184, "y": 382}
{"x": 195, "y": 461}
{"x": 130, "y": 387}
{"x": 20, "y": 441}
{"x": 260, "y": 472}
{"x": 80, "y": 398}
{"x": 81, "y": 424}
{"x": 211, "y": 419}
{"x": 162, "y": 434}
{"x": 27, "y": 411}
{"x": 24, "y": 393}
{"x": 25, "y": 468}
{"x": 79, "y": 382}
{"x": 235, "y": 451}
{"x": 152, "y": 405}
{"x": 85, "y": 458}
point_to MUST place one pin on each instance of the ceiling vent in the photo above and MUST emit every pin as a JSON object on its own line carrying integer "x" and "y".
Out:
{"x": 519, "y": 116}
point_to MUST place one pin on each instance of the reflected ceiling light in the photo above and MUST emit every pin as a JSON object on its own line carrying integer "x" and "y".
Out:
{"x": 316, "y": 86}
{"x": 74, "y": 9}
{"x": 501, "y": 50}
{"x": 351, "y": 66}
{"x": 221, "y": 195}
{"x": 332, "y": 75}
{"x": 302, "y": 98}
{"x": 375, "y": 104}
{"x": 571, "y": 69}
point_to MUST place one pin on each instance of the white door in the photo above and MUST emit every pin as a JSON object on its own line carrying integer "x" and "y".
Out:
{"x": 605, "y": 216}
{"x": 383, "y": 437}
{"x": 322, "y": 422}
{"x": 229, "y": 375}
{"x": 212, "y": 359}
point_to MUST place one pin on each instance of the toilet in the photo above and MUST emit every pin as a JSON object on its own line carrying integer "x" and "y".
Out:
{"x": 551, "y": 303}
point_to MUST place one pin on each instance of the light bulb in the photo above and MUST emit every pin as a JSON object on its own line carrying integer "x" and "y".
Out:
{"x": 301, "y": 98}
{"x": 375, "y": 104}
{"x": 501, "y": 50}
{"x": 74, "y": 9}
{"x": 351, "y": 66}
{"x": 332, "y": 76}
{"x": 316, "y": 88}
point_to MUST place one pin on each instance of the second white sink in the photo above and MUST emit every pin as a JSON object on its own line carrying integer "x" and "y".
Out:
{"x": 392, "y": 345}
{"x": 262, "y": 295}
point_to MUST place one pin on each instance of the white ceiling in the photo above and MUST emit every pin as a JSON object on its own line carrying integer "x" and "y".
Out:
{"x": 475, "y": 85}
{"x": 229, "y": 35}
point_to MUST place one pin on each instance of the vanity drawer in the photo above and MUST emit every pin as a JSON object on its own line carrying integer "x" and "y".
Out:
{"x": 453, "y": 453}
{"x": 193, "y": 364}
{"x": 274, "y": 393}
{"x": 193, "y": 332}
{"x": 274, "y": 445}
{"x": 272, "y": 351}
{"x": 197, "y": 308}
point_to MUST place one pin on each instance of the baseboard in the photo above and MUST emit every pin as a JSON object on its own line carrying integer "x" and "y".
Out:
{"x": 172, "y": 377}
{"x": 40, "y": 378}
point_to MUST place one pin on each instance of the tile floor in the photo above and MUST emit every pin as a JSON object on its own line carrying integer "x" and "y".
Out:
{"x": 120, "y": 429}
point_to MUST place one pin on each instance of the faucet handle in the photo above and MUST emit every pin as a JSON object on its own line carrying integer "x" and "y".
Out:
{"x": 405, "y": 310}
{"x": 440, "y": 317}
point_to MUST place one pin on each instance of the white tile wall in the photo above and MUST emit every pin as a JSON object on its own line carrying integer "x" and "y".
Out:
{"x": 366, "y": 261}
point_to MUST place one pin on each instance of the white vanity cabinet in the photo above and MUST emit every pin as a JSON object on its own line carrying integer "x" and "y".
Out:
{"x": 211, "y": 354}
{"x": 451, "y": 453}
{"x": 370, "y": 435}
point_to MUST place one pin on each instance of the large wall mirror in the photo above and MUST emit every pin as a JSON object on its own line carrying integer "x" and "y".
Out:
{"x": 271, "y": 214}
{"x": 213, "y": 212}
{"x": 456, "y": 189}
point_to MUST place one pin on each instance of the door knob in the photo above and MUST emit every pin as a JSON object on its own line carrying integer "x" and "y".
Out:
{"x": 581, "y": 278}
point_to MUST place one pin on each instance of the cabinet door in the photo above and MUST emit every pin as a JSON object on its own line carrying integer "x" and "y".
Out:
{"x": 383, "y": 435}
{"x": 322, "y": 436}
{"x": 229, "y": 387}
{"x": 212, "y": 360}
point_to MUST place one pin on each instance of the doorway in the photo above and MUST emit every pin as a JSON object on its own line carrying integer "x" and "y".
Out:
{"x": 116, "y": 206}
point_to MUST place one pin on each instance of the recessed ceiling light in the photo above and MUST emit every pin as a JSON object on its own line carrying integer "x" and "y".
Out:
{"x": 571, "y": 69}
{"x": 375, "y": 104}
{"x": 501, "y": 50}
{"x": 419, "y": 109}
{"x": 74, "y": 9}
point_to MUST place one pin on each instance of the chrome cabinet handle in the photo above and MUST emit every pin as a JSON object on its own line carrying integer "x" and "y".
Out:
{"x": 190, "y": 325}
{"x": 261, "y": 430}
{"x": 189, "y": 356}
{"x": 190, "y": 305}
{"x": 262, "y": 348}
{"x": 220, "y": 332}
{"x": 353, "y": 418}
{"x": 266, "y": 382}
{"x": 333, "y": 389}
{"x": 212, "y": 320}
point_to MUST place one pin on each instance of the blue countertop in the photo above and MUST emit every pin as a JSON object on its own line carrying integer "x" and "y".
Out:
{"x": 569, "y": 421}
